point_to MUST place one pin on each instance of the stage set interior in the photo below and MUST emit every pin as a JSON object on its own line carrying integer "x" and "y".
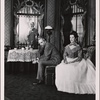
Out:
{"x": 63, "y": 16}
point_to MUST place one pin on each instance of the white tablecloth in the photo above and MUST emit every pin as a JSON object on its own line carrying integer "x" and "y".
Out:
{"x": 22, "y": 55}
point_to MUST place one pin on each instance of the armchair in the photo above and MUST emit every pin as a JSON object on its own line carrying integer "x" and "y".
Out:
{"x": 89, "y": 52}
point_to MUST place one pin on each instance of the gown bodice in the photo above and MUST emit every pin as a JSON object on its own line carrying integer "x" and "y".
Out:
{"x": 72, "y": 53}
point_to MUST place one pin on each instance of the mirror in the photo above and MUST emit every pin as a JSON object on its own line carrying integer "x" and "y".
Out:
{"x": 28, "y": 12}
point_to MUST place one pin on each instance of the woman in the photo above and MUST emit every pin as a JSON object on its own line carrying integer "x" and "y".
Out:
{"x": 75, "y": 74}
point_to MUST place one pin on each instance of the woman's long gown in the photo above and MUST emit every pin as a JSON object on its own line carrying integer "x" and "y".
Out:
{"x": 78, "y": 77}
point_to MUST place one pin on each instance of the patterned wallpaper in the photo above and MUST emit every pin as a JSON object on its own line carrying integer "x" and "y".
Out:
{"x": 7, "y": 22}
{"x": 51, "y": 16}
{"x": 50, "y": 12}
{"x": 91, "y": 22}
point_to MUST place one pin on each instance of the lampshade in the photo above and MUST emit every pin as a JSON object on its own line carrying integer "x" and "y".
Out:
{"x": 48, "y": 28}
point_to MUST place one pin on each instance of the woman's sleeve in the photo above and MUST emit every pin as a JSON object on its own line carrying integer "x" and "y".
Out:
{"x": 79, "y": 54}
{"x": 65, "y": 52}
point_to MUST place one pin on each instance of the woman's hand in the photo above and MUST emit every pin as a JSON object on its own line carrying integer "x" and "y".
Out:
{"x": 65, "y": 61}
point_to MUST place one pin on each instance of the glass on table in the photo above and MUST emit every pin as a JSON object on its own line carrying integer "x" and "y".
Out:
{"x": 35, "y": 60}
{"x": 23, "y": 48}
{"x": 15, "y": 48}
{"x": 26, "y": 48}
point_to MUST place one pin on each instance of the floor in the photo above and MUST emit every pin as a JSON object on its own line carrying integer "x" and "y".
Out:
{"x": 18, "y": 86}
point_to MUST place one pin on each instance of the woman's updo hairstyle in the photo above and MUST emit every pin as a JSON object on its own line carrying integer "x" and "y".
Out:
{"x": 74, "y": 33}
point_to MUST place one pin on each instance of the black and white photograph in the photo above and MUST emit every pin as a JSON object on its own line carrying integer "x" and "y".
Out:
{"x": 49, "y": 50}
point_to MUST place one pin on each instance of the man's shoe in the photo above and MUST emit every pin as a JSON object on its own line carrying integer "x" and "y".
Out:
{"x": 38, "y": 83}
{"x": 35, "y": 82}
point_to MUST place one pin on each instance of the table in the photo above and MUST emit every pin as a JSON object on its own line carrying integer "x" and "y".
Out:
{"x": 21, "y": 55}
{"x": 22, "y": 58}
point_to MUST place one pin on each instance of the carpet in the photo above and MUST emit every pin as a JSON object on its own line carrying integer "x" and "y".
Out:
{"x": 19, "y": 87}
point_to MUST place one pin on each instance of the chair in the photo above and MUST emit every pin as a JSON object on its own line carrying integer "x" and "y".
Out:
{"x": 50, "y": 75}
{"x": 6, "y": 49}
{"x": 89, "y": 52}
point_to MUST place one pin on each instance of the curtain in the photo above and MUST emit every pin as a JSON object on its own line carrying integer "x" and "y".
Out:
{"x": 91, "y": 22}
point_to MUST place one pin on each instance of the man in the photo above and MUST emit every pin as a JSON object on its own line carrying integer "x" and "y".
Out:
{"x": 33, "y": 36}
{"x": 49, "y": 56}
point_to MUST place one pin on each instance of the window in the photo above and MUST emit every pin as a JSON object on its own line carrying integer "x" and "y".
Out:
{"x": 77, "y": 21}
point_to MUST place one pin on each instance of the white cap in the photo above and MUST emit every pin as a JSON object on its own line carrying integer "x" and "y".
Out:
{"x": 48, "y": 28}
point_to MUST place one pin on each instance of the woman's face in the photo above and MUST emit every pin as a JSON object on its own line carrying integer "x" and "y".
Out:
{"x": 72, "y": 38}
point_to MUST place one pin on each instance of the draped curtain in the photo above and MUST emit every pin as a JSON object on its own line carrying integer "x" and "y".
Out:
{"x": 87, "y": 20}
{"x": 91, "y": 22}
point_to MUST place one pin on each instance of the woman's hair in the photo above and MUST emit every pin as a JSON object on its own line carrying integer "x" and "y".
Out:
{"x": 74, "y": 33}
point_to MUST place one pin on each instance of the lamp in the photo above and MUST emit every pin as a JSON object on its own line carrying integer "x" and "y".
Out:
{"x": 49, "y": 31}
{"x": 48, "y": 28}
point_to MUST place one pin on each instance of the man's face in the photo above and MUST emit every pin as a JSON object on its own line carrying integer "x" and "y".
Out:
{"x": 41, "y": 42}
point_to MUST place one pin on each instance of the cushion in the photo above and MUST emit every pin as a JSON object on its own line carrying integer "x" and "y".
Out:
{"x": 50, "y": 69}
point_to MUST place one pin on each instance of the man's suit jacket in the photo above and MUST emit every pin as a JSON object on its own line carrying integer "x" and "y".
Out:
{"x": 49, "y": 52}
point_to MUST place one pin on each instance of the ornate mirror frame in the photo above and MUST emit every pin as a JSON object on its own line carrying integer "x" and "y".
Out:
{"x": 27, "y": 8}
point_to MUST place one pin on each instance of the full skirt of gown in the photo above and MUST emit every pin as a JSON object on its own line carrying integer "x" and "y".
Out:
{"x": 77, "y": 77}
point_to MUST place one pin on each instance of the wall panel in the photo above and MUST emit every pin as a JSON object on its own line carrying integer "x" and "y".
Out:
{"x": 8, "y": 21}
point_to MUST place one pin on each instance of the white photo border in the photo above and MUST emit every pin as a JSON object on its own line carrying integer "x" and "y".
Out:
{"x": 2, "y": 21}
